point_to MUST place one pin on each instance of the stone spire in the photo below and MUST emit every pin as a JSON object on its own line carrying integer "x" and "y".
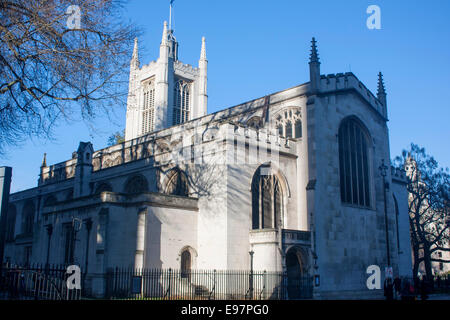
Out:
{"x": 135, "y": 58}
{"x": 314, "y": 68}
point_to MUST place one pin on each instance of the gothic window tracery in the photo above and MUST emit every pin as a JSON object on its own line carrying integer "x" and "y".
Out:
{"x": 354, "y": 163}
{"x": 148, "y": 109}
{"x": 266, "y": 199}
{"x": 177, "y": 183}
{"x": 288, "y": 123}
{"x": 181, "y": 101}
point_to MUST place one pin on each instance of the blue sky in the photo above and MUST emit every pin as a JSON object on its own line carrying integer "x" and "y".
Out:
{"x": 256, "y": 47}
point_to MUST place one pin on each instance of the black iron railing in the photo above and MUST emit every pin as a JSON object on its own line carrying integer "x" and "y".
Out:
{"x": 36, "y": 281}
{"x": 128, "y": 283}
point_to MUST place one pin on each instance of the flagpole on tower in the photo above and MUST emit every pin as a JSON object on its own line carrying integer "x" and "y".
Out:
{"x": 170, "y": 17}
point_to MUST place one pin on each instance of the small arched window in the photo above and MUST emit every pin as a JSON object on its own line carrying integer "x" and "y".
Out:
{"x": 354, "y": 163}
{"x": 186, "y": 263}
{"x": 177, "y": 183}
{"x": 136, "y": 184}
{"x": 267, "y": 199}
{"x": 28, "y": 217}
{"x": 11, "y": 223}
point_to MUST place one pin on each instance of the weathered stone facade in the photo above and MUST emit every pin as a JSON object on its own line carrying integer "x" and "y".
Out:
{"x": 192, "y": 187}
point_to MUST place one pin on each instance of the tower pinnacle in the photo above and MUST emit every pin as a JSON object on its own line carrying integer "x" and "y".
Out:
{"x": 314, "y": 58}
{"x": 165, "y": 38}
{"x": 203, "y": 52}
{"x": 314, "y": 68}
{"x": 135, "y": 57}
{"x": 381, "y": 93}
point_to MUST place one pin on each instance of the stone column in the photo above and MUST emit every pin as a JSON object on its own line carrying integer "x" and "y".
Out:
{"x": 140, "y": 239}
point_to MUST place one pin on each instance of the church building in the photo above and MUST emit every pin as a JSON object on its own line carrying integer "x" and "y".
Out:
{"x": 288, "y": 182}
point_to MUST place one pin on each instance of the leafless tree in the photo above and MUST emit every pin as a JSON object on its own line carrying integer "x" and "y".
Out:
{"x": 429, "y": 206}
{"x": 60, "y": 60}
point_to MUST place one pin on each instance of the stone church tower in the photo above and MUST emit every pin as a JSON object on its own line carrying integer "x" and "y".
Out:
{"x": 165, "y": 92}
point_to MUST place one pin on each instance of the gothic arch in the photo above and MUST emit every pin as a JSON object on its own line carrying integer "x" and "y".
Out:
{"x": 176, "y": 183}
{"x": 268, "y": 191}
{"x": 136, "y": 184}
{"x": 185, "y": 253}
{"x": 355, "y": 162}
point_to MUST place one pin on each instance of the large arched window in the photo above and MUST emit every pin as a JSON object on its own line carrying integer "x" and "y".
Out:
{"x": 11, "y": 223}
{"x": 266, "y": 199}
{"x": 177, "y": 183}
{"x": 28, "y": 217}
{"x": 136, "y": 184}
{"x": 354, "y": 163}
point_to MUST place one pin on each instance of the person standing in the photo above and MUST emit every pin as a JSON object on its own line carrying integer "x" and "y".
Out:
{"x": 388, "y": 289}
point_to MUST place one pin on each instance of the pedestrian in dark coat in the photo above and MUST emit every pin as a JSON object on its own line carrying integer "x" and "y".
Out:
{"x": 388, "y": 289}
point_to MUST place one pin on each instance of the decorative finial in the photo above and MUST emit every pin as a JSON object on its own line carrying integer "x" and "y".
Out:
{"x": 381, "y": 89}
{"x": 203, "y": 53}
{"x": 381, "y": 94}
{"x": 44, "y": 160}
{"x": 314, "y": 55}
{"x": 164, "y": 36}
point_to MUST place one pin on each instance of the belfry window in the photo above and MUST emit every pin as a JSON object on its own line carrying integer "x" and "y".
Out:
{"x": 181, "y": 102}
{"x": 148, "y": 109}
{"x": 354, "y": 163}
{"x": 266, "y": 199}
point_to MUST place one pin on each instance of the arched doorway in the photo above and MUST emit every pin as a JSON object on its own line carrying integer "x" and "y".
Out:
{"x": 294, "y": 270}
{"x": 185, "y": 264}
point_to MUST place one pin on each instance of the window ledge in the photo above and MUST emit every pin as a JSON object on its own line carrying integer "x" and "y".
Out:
{"x": 355, "y": 206}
